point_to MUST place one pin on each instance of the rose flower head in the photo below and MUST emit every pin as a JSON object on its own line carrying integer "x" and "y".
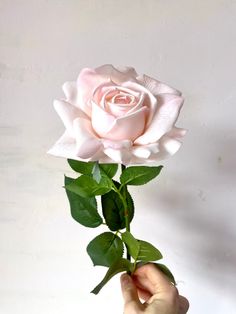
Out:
{"x": 114, "y": 115}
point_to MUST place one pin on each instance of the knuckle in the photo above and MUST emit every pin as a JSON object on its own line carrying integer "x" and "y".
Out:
{"x": 173, "y": 295}
{"x": 174, "y": 290}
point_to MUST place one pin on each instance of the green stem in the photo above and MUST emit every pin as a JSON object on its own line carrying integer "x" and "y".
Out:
{"x": 124, "y": 202}
{"x": 126, "y": 212}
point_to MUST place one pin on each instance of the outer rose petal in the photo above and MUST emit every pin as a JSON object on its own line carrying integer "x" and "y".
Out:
{"x": 117, "y": 75}
{"x": 71, "y": 93}
{"x": 126, "y": 144}
{"x": 141, "y": 152}
{"x": 87, "y": 144}
{"x": 64, "y": 147}
{"x": 145, "y": 151}
{"x": 168, "y": 147}
{"x": 68, "y": 113}
{"x": 120, "y": 156}
{"x": 157, "y": 87}
{"x": 118, "y": 151}
{"x": 164, "y": 119}
{"x": 169, "y": 144}
{"x": 87, "y": 82}
{"x": 177, "y": 133}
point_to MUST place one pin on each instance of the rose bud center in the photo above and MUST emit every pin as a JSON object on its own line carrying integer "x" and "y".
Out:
{"x": 120, "y": 103}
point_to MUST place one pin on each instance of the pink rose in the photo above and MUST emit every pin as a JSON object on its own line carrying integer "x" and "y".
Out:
{"x": 115, "y": 115}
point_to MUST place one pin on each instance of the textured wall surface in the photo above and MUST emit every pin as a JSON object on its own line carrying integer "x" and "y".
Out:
{"x": 189, "y": 213}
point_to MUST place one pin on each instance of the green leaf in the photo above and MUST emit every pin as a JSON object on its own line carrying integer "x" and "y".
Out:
{"x": 96, "y": 173}
{"x": 166, "y": 271}
{"x": 117, "y": 267}
{"x": 87, "y": 167}
{"x": 130, "y": 203}
{"x": 148, "y": 252}
{"x": 140, "y": 250}
{"x": 138, "y": 175}
{"x": 113, "y": 209}
{"x": 83, "y": 210}
{"x": 86, "y": 186}
{"x": 133, "y": 245}
{"x": 81, "y": 166}
{"x": 109, "y": 169}
{"x": 105, "y": 249}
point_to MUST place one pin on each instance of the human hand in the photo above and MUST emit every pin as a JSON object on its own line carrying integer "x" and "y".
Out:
{"x": 151, "y": 285}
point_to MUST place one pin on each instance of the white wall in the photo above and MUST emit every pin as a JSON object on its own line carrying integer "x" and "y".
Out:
{"x": 189, "y": 213}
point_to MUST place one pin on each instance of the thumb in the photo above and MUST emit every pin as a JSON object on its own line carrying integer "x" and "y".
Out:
{"x": 130, "y": 295}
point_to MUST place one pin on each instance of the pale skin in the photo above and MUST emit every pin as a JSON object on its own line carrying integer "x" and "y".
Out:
{"x": 159, "y": 295}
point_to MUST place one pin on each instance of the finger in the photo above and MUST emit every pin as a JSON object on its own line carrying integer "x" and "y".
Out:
{"x": 183, "y": 305}
{"x": 130, "y": 295}
{"x": 144, "y": 295}
{"x": 150, "y": 278}
{"x": 141, "y": 284}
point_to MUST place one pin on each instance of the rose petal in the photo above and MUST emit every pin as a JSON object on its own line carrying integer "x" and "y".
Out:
{"x": 116, "y": 144}
{"x": 120, "y": 109}
{"x": 150, "y": 102}
{"x": 123, "y": 127}
{"x": 120, "y": 156}
{"x": 75, "y": 95}
{"x": 64, "y": 147}
{"x": 87, "y": 82}
{"x": 145, "y": 151}
{"x": 139, "y": 104}
{"x": 101, "y": 157}
{"x": 71, "y": 93}
{"x": 177, "y": 133}
{"x": 101, "y": 120}
{"x": 168, "y": 146}
{"x": 102, "y": 90}
{"x": 156, "y": 87}
{"x": 86, "y": 142}
{"x": 164, "y": 119}
{"x": 117, "y": 75}
{"x": 141, "y": 152}
{"x": 68, "y": 113}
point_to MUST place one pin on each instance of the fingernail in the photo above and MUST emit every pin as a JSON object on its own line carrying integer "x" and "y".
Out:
{"x": 125, "y": 279}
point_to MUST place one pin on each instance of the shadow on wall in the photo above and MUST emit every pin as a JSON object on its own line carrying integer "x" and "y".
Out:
{"x": 205, "y": 211}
